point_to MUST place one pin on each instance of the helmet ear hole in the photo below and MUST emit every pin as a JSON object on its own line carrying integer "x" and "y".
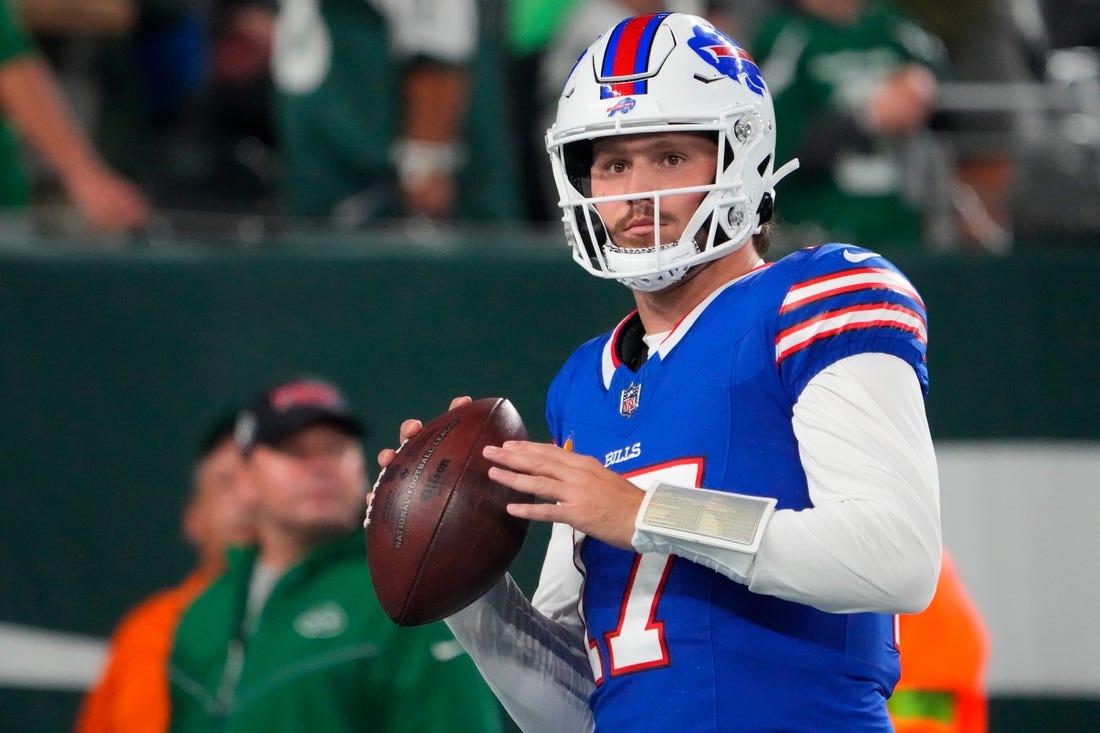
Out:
{"x": 578, "y": 165}
{"x": 766, "y": 209}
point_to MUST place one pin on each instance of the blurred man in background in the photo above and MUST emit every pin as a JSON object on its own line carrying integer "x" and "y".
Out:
{"x": 132, "y": 694}
{"x": 291, "y": 637}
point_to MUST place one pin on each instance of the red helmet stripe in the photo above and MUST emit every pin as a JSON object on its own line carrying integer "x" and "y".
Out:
{"x": 627, "y": 53}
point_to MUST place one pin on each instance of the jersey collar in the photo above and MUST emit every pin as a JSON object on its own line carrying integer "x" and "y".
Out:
{"x": 625, "y": 331}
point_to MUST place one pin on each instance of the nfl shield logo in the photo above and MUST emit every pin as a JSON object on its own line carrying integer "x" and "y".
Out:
{"x": 628, "y": 403}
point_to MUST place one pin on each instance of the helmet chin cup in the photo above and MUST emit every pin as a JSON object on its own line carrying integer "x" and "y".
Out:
{"x": 688, "y": 77}
{"x": 657, "y": 276}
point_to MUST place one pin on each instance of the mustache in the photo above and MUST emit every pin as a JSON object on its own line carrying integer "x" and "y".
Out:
{"x": 641, "y": 213}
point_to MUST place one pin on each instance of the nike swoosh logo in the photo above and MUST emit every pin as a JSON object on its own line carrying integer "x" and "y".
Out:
{"x": 856, "y": 257}
{"x": 445, "y": 651}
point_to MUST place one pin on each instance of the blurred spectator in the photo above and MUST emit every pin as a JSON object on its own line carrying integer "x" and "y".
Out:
{"x": 983, "y": 120}
{"x": 77, "y": 17}
{"x": 291, "y": 636}
{"x": 532, "y": 26}
{"x": 33, "y": 108}
{"x": 1071, "y": 22}
{"x": 131, "y": 695}
{"x": 240, "y": 68}
{"x": 151, "y": 83}
{"x": 1055, "y": 193}
{"x": 739, "y": 19}
{"x": 943, "y": 656}
{"x": 219, "y": 144}
{"x": 854, "y": 85}
{"x": 371, "y": 100}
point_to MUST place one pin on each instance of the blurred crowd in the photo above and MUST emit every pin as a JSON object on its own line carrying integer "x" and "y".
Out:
{"x": 918, "y": 123}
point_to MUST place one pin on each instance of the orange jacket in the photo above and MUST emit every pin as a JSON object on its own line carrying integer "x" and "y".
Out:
{"x": 132, "y": 693}
{"x": 944, "y": 650}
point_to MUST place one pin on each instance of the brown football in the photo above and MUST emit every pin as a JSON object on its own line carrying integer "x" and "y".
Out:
{"x": 438, "y": 536}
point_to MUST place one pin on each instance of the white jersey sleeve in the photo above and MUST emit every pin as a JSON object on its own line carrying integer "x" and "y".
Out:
{"x": 871, "y": 539}
{"x": 532, "y": 655}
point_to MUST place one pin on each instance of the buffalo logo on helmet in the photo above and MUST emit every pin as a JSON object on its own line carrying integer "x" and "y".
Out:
{"x": 624, "y": 105}
{"x": 723, "y": 53}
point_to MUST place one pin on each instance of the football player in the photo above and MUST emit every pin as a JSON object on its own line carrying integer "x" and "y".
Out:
{"x": 742, "y": 483}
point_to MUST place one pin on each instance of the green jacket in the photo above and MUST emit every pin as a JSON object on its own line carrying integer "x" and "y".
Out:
{"x": 857, "y": 186}
{"x": 322, "y": 657}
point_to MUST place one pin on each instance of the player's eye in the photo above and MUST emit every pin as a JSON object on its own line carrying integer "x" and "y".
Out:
{"x": 608, "y": 167}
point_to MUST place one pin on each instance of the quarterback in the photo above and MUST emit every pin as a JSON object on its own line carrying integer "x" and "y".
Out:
{"x": 742, "y": 483}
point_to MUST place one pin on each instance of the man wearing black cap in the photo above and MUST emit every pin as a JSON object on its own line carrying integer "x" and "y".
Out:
{"x": 291, "y": 638}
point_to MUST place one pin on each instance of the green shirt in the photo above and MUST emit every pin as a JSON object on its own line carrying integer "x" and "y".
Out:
{"x": 322, "y": 656}
{"x": 851, "y": 184}
{"x": 14, "y": 186}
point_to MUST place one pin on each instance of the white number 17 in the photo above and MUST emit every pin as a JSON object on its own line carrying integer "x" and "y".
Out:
{"x": 638, "y": 642}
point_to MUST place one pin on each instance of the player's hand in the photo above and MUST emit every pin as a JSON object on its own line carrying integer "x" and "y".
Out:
{"x": 575, "y": 490}
{"x": 111, "y": 203}
{"x": 903, "y": 101}
{"x": 408, "y": 429}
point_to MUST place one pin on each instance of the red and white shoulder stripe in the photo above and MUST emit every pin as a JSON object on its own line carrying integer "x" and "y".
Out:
{"x": 847, "y": 281}
{"x": 880, "y": 307}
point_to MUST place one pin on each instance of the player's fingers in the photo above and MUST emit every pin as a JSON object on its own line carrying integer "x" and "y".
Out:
{"x": 459, "y": 401}
{"x": 535, "y": 512}
{"x": 549, "y": 451}
{"x": 524, "y": 461}
{"x": 385, "y": 456}
{"x": 534, "y": 485}
{"x": 543, "y": 459}
{"x": 408, "y": 429}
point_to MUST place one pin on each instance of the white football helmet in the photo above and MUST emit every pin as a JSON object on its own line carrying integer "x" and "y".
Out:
{"x": 659, "y": 73}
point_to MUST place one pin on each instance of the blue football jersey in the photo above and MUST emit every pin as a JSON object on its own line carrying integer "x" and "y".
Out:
{"x": 675, "y": 646}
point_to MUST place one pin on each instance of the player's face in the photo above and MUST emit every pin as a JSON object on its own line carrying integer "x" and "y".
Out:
{"x": 311, "y": 484}
{"x": 650, "y": 162}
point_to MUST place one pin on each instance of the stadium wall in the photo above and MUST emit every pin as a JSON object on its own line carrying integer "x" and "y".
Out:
{"x": 112, "y": 363}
